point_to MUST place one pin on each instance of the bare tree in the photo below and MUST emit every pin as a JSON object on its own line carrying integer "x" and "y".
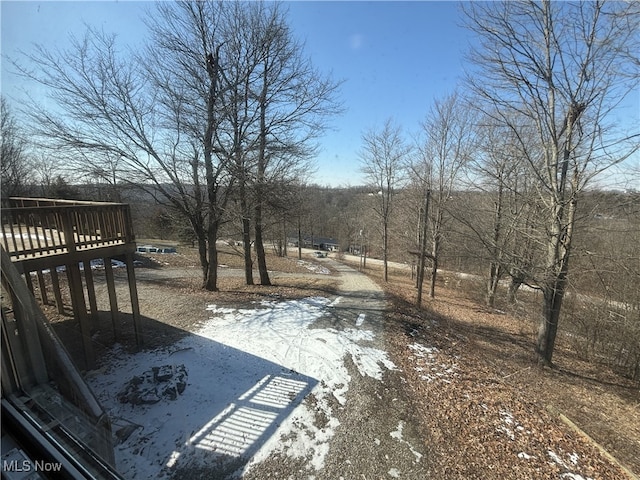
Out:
{"x": 560, "y": 68}
{"x": 294, "y": 102}
{"x": 496, "y": 210}
{"x": 383, "y": 158}
{"x": 156, "y": 113}
{"x": 15, "y": 168}
{"x": 445, "y": 149}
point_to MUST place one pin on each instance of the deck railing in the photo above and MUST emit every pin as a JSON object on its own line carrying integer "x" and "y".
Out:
{"x": 39, "y": 235}
{"x": 33, "y": 227}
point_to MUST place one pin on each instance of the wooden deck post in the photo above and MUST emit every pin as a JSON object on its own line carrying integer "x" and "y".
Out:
{"x": 113, "y": 299}
{"x": 29, "y": 282}
{"x": 43, "y": 288}
{"x": 57, "y": 293}
{"x": 135, "y": 306}
{"x": 80, "y": 312}
{"x": 30, "y": 364}
{"x": 91, "y": 292}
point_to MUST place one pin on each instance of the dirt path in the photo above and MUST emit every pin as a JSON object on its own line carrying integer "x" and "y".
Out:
{"x": 376, "y": 437}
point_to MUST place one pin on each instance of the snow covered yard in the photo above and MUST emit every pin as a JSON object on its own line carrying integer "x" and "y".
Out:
{"x": 248, "y": 373}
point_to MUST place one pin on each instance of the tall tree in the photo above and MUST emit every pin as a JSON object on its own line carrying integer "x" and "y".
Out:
{"x": 496, "y": 211}
{"x": 562, "y": 69}
{"x": 383, "y": 157}
{"x": 156, "y": 112}
{"x": 294, "y": 102}
{"x": 445, "y": 149}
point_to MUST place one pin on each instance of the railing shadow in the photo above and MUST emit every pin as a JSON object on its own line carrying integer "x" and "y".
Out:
{"x": 232, "y": 405}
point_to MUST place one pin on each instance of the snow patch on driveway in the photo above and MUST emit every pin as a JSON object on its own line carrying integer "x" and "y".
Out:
{"x": 397, "y": 434}
{"x": 261, "y": 380}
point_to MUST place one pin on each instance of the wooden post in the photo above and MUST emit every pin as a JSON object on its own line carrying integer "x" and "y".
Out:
{"x": 27, "y": 279}
{"x": 80, "y": 312}
{"x": 91, "y": 292}
{"x": 135, "y": 307}
{"x": 43, "y": 288}
{"x": 113, "y": 300}
{"x": 55, "y": 283}
{"x": 31, "y": 365}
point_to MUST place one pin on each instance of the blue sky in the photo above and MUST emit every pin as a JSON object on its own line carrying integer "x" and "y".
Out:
{"x": 394, "y": 58}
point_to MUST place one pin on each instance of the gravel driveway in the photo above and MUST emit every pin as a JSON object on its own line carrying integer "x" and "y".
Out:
{"x": 376, "y": 438}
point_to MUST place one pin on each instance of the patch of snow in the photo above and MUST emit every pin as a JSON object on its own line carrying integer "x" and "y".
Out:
{"x": 525, "y": 456}
{"x": 336, "y": 301}
{"x": 574, "y": 457}
{"x": 428, "y": 357}
{"x": 314, "y": 267}
{"x": 394, "y": 472}
{"x": 557, "y": 459}
{"x": 511, "y": 423}
{"x": 397, "y": 435}
{"x": 422, "y": 351}
{"x": 574, "y": 476}
{"x": 250, "y": 371}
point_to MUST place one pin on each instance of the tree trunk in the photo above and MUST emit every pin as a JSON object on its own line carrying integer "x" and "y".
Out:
{"x": 284, "y": 252}
{"x": 299, "y": 239}
{"x": 559, "y": 248}
{"x": 246, "y": 246}
{"x": 244, "y": 208}
{"x": 492, "y": 284}
{"x": 437, "y": 222}
{"x": 211, "y": 281}
{"x": 434, "y": 274}
{"x": 548, "y": 329}
{"x": 423, "y": 248}
{"x": 260, "y": 181}
{"x": 246, "y": 235}
{"x": 495, "y": 270}
{"x": 554, "y": 287}
{"x": 202, "y": 255}
{"x": 435, "y": 247}
{"x": 385, "y": 252}
{"x": 260, "y": 254}
{"x": 514, "y": 285}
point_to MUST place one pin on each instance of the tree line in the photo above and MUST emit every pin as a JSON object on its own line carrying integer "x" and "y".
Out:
{"x": 534, "y": 128}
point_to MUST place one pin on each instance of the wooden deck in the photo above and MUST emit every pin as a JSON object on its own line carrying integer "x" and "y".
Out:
{"x": 41, "y": 235}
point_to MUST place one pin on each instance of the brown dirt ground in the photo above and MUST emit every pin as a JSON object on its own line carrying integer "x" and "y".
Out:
{"x": 495, "y": 372}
